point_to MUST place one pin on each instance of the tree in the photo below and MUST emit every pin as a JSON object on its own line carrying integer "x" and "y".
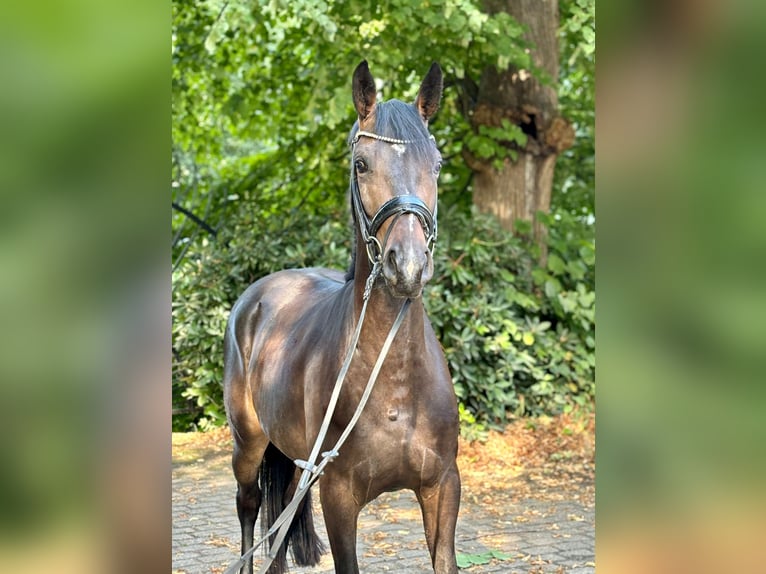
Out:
{"x": 517, "y": 109}
{"x": 521, "y": 106}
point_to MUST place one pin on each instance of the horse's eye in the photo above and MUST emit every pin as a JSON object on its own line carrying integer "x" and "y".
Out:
{"x": 438, "y": 168}
{"x": 361, "y": 166}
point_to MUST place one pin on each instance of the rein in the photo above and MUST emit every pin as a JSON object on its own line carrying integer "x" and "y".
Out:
{"x": 394, "y": 207}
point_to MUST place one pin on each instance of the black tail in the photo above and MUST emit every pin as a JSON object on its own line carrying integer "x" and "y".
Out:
{"x": 276, "y": 475}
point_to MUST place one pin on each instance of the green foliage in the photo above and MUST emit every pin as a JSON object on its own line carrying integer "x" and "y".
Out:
{"x": 495, "y": 142}
{"x": 207, "y": 284}
{"x": 469, "y": 560}
{"x": 518, "y": 338}
{"x": 574, "y": 182}
{"x": 259, "y": 106}
{"x": 471, "y": 429}
{"x": 579, "y": 25}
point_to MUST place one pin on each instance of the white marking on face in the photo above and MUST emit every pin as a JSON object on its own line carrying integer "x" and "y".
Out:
{"x": 399, "y": 149}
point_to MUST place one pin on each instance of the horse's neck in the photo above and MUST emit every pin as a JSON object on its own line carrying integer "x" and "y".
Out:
{"x": 382, "y": 310}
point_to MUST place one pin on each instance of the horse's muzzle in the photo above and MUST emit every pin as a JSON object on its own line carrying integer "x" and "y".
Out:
{"x": 407, "y": 269}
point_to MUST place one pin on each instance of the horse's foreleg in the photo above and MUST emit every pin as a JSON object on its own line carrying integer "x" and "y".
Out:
{"x": 440, "y": 504}
{"x": 340, "y": 515}
{"x": 246, "y": 462}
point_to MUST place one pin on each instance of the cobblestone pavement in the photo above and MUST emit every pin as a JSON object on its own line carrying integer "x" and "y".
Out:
{"x": 541, "y": 535}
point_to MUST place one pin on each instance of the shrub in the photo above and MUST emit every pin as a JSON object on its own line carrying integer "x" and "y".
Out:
{"x": 207, "y": 284}
{"x": 519, "y": 339}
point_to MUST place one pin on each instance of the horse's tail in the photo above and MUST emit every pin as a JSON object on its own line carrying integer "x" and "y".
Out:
{"x": 276, "y": 475}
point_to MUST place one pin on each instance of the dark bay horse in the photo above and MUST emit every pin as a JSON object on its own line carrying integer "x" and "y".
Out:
{"x": 288, "y": 334}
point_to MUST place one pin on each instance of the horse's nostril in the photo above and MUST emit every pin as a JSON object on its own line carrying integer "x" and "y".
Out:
{"x": 392, "y": 260}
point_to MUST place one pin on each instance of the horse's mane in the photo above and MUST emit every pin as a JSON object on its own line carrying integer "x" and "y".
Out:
{"x": 394, "y": 119}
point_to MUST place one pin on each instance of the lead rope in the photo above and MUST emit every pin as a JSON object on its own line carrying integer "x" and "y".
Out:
{"x": 311, "y": 471}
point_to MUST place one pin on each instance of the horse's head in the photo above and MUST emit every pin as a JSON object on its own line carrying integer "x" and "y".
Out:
{"x": 395, "y": 165}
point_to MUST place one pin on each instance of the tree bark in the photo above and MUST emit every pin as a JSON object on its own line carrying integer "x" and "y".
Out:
{"x": 522, "y": 187}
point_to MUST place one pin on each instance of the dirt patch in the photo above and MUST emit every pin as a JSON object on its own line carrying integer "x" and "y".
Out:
{"x": 547, "y": 458}
{"x": 191, "y": 447}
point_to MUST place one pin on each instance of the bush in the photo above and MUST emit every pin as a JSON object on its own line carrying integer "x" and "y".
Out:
{"x": 206, "y": 286}
{"x": 519, "y": 339}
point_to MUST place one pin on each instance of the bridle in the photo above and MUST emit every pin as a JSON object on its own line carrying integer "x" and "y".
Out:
{"x": 394, "y": 207}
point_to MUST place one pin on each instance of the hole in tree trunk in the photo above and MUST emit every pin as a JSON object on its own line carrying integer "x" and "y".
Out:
{"x": 530, "y": 127}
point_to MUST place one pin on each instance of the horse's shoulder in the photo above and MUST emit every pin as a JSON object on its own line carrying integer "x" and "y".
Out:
{"x": 277, "y": 300}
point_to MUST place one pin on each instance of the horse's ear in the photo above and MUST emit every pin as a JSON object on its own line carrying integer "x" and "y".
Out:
{"x": 430, "y": 93}
{"x": 363, "y": 89}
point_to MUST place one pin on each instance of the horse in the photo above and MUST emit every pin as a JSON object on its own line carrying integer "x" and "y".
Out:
{"x": 288, "y": 333}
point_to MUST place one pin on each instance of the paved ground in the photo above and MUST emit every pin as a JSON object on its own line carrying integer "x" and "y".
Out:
{"x": 552, "y": 532}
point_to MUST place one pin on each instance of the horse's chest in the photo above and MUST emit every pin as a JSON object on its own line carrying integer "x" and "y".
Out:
{"x": 397, "y": 444}
{"x": 394, "y": 460}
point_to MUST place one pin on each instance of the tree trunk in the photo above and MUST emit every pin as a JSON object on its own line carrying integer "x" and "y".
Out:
{"x": 522, "y": 187}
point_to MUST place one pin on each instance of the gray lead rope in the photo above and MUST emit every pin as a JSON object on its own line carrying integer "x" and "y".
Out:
{"x": 312, "y": 472}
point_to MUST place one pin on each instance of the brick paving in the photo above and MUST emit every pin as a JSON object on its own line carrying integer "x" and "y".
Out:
{"x": 551, "y": 534}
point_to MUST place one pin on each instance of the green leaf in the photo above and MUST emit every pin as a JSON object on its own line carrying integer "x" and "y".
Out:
{"x": 556, "y": 264}
{"x": 588, "y": 255}
{"x": 468, "y": 560}
{"x": 551, "y": 288}
{"x": 507, "y": 276}
{"x": 498, "y": 555}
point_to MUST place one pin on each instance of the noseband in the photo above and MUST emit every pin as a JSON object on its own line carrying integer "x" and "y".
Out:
{"x": 394, "y": 207}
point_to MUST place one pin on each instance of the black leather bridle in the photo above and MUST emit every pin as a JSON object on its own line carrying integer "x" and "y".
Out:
{"x": 394, "y": 207}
